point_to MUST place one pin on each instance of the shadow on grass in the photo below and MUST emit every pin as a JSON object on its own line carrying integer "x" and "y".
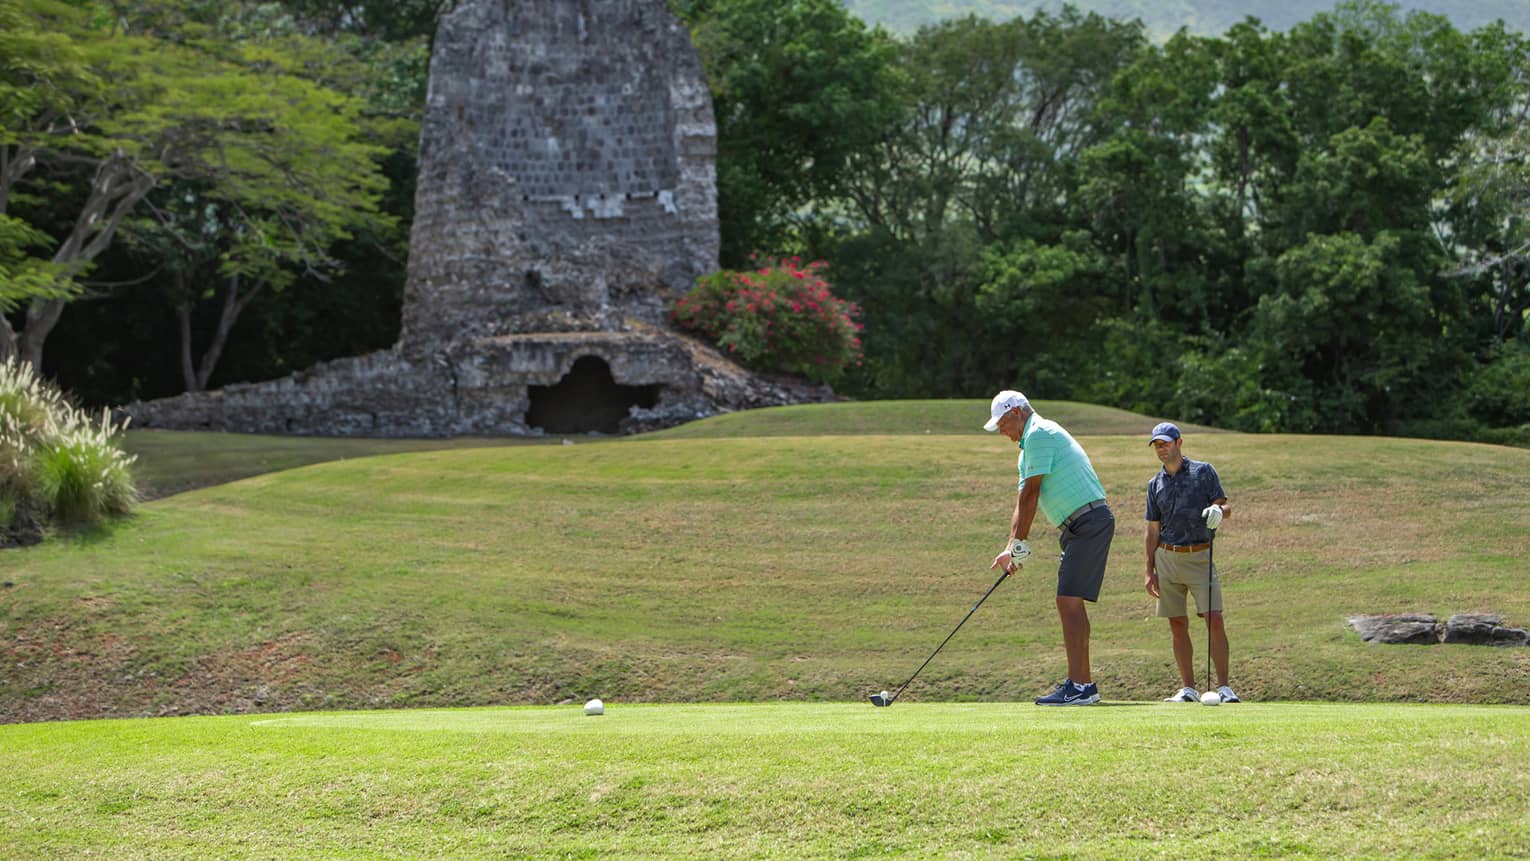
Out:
{"x": 88, "y": 535}
{"x": 174, "y": 462}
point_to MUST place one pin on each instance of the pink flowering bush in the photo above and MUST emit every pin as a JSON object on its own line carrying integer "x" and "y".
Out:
{"x": 779, "y": 317}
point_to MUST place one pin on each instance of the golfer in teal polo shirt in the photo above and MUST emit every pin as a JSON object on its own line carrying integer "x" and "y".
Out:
{"x": 1057, "y": 477}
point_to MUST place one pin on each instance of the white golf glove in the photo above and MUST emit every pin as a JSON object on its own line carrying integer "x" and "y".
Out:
{"x": 1213, "y": 515}
{"x": 1018, "y": 550}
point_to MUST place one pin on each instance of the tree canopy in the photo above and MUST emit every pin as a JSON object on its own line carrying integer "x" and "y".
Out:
{"x": 1315, "y": 229}
{"x": 217, "y": 137}
{"x": 1316, "y": 226}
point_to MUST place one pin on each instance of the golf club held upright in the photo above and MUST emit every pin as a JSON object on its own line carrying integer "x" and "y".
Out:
{"x": 1211, "y": 581}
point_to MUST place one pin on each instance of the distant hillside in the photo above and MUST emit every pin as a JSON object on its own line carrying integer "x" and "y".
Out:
{"x": 1163, "y": 17}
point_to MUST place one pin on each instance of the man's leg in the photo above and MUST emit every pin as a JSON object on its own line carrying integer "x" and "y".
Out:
{"x": 1075, "y": 625}
{"x": 1080, "y": 571}
{"x": 1218, "y": 636}
{"x": 1184, "y": 652}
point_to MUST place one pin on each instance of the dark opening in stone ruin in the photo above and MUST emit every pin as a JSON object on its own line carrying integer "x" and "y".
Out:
{"x": 587, "y": 399}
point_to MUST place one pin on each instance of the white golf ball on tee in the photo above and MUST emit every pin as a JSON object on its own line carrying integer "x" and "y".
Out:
{"x": 1211, "y": 698}
{"x": 595, "y": 707}
{"x": 884, "y": 695}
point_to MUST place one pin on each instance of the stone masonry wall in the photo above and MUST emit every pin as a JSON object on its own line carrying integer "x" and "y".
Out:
{"x": 567, "y": 169}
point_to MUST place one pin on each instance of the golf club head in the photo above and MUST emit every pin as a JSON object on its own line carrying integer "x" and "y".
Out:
{"x": 881, "y": 700}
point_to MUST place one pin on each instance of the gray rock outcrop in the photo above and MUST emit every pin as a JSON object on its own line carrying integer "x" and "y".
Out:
{"x": 1420, "y": 628}
{"x": 1483, "y": 629}
{"x": 1397, "y": 628}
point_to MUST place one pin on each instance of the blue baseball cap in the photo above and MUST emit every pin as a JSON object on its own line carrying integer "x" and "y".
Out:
{"x": 1166, "y": 431}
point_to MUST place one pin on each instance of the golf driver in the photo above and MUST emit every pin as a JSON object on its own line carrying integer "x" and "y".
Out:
{"x": 882, "y": 699}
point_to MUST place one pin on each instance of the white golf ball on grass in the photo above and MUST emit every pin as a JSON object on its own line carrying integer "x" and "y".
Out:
{"x": 595, "y": 707}
{"x": 1211, "y": 698}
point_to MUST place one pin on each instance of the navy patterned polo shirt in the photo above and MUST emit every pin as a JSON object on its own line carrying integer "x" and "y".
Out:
{"x": 1176, "y": 502}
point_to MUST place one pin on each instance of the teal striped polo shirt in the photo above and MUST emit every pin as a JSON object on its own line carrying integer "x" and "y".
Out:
{"x": 1046, "y": 449}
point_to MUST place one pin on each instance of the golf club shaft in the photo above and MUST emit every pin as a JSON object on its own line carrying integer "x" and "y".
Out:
{"x": 1211, "y": 579}
{"x": 952, "y": 634}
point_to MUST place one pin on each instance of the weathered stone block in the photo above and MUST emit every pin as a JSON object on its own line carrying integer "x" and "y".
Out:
{"x": 1416, "y": 628}
{"x": 1471, "y": 628}
{"x": 1483, "y": 629}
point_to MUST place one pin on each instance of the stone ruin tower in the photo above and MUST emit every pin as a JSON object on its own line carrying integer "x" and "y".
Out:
{"x": 566, "y": 193}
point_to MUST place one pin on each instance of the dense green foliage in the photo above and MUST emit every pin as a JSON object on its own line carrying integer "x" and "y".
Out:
{"x": 798, "y": 90}
{"x": 778, "y": 780}
{"x": 1320, "y": 228}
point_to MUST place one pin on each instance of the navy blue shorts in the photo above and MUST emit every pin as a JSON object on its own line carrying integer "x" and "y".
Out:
{"x": 1085, "y": 549}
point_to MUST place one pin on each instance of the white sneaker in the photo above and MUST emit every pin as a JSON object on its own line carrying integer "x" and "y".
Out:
{"x": 1227, "y": 695}
{"x": 1185, "y": 695}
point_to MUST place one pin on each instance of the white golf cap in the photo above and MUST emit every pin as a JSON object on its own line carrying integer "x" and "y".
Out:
{"x": 1003, "y": 402}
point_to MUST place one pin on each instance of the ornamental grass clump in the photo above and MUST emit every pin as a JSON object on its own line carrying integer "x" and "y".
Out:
{"x": 15, "y": 484}
{"x": 82, "y": 475}
{"x": 57, "y": 465}
{"x": 27, "y": 404}
{"x": 779, "y": 317}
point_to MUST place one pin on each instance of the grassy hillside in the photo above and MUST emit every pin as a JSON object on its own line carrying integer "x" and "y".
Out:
{"x": 171, "y": 462}
{"x": 905, "y": 418}
{"x": 1164, "y": 17}
{"x": 987, "y": 780}
{"x": 747, "y": 568}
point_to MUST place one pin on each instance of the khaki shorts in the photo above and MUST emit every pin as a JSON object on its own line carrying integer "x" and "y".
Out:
{"x": 1179, "y": 575}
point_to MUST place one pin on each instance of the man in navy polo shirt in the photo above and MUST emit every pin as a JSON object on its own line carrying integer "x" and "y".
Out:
{"x": 1185, "y": 504}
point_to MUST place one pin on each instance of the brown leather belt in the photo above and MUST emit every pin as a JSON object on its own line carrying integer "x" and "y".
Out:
{"x": 1183, "y": 548}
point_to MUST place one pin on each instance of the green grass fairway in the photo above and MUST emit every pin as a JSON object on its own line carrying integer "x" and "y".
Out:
{"x": 993, "y": 780}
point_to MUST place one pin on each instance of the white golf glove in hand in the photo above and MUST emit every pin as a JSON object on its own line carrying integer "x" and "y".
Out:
{"x": 1213, "y": 515}
{"x": 1018, "y": 550}
{"x": 1012, "y": 556}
